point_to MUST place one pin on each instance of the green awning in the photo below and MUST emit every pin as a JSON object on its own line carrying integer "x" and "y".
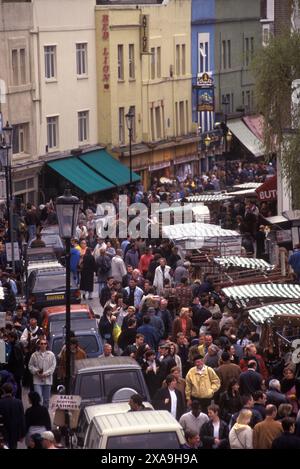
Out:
{"x": 106, "y": 165}
{"x": 81, "y": 175}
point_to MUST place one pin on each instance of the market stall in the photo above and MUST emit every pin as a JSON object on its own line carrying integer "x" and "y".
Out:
{"x": 191, "y": 236}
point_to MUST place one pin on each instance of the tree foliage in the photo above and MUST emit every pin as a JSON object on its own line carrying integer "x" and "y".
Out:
{"x": 275, "y": 68}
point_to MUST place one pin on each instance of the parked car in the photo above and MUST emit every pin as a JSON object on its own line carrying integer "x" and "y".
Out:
{"x": 104, "y": 380}
{"x": 157, "y": 429}
{"x": 58, "y": 313}
{"x": 86, "y": 332}
{"x": 88, "y": 413}
{"x": 40, "y": 254}
{"x": 50, "y": 236}
{"x": 47, "y": 287}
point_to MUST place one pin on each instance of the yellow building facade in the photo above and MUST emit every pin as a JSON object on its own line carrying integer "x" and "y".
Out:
{"x": 144, "y": 64}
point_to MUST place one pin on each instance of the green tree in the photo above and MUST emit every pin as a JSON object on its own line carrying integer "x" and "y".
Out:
{"x": 275, "y": 68}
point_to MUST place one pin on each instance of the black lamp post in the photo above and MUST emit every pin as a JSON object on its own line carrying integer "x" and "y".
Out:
{"x": 207, "y": 142}
{"x": 130, "y": 116}
{"x": 7, "y": 145}
{"x": 67, "y": 209}
{"x": 226, "y": 133}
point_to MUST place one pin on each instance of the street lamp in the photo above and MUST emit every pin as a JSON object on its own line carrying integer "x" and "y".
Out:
{"x": 6, "y": 144}
{"x": 207, "y": 142}
{"x": 130, "y": 116}
{"x": 67, "y": 209}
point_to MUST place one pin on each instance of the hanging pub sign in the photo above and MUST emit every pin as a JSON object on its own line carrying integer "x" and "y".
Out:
{"x": 205, "y": 89}
{"x": 204, "y": 79}
{"x": 205, "y": 99}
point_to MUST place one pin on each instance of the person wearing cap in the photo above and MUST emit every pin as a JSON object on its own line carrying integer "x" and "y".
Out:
{"x": 201, "y": 383}
{"x": 48, "y": 440}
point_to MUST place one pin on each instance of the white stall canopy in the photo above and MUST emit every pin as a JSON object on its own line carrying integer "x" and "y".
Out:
{"x": 244, "y": 263}
{"x": 204, "y": 236}
{"x": 264, "y": 313}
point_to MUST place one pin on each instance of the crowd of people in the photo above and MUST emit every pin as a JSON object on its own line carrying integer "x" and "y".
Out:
{"x": 199, "y": 360}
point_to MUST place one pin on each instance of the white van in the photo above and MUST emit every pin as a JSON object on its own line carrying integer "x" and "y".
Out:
{"x": 156, "y": 429}
{"x": 88, "y": 413}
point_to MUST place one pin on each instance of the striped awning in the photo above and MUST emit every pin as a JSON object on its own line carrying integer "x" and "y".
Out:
{"x": 197, "y": 230}
{"x": 248, "y": 185}
{"x": 262, "y": 314}
{"x": 243, "y": 263}
{"x": 263, "y": 290}
{"x": 209, "y": 197}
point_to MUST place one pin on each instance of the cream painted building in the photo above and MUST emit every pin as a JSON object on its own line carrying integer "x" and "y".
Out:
{"x": 50, "y": 69}
{"x": 16, "y": 86}
{"x": 143, "y": 62}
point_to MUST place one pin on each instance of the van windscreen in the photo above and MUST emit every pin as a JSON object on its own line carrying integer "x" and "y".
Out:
{"x": 161, "y": 440}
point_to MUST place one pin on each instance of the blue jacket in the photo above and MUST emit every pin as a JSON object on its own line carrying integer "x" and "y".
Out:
{"x": 74, "y": 260}
{"x": 294, "y": 261}
{"x": 150, "y": 334}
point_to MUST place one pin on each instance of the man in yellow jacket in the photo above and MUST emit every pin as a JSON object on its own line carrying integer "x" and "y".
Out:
{"x": 201, "y": 384}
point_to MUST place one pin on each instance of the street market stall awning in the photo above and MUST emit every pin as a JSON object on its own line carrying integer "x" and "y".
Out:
{"x": 93, "y": 171}
{"x": 246, "y": 137}
{"x": 244, "y": 263}
{"x": 262, "y": 314}
{"x": 268, "y": 190}
{"x": 204, "y": 236}
{"x": 263, "y": 290}
{"x": 247, "y": 185}
{"x": 209, "y": 198}
{"x": 107, "y": 166}
{"x": 81, "y": 175}
{"x": 199, "y": 211}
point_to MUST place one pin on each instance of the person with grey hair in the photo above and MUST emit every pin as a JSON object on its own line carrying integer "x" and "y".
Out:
{"x": 118, "y": 267}
{"x": 211, "y": 359}
{"x": 181, "y": 271}
{"x": 274, "y": 394}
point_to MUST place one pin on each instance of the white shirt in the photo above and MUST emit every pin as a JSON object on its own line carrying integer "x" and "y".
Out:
{"x": 216, "y": 426}
{"x": 173, "y": 402}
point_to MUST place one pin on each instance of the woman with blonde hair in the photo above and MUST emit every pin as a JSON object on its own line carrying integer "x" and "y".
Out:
{"x": 241, "y": 434}
{"x": 183, "y": 323}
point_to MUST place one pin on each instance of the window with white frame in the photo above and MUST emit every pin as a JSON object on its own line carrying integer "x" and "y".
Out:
{"x": 152, "y": 67}
{"x": 183, "y": 65}
{"x": 158, "y": 62}
{"x": 120, "y": 62}
{"x": 177, "y": 60}
{"x": 81, "y": 58}
{"x": 247, "y": 51}
{"x": 203, "y": 53}
{"x": 52, "y": 132}
{"x": 83, "y": 126}
{"x": 20, "y": 138}
{"x": 18, "y": 66}
{"x": 50, "y": 62}
{"x": 131, "y": 62}
{"x": 121, "y": 125}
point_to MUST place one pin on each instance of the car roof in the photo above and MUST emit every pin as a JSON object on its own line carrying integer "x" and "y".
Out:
{"x": 50, "y": 270}
{"x": 136, "y": 422}
{"x": 62, "y": 309}
{"x": 107, "y": 409}
{"x": 79, "y": 325}
{"x": 94, "y": 364}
